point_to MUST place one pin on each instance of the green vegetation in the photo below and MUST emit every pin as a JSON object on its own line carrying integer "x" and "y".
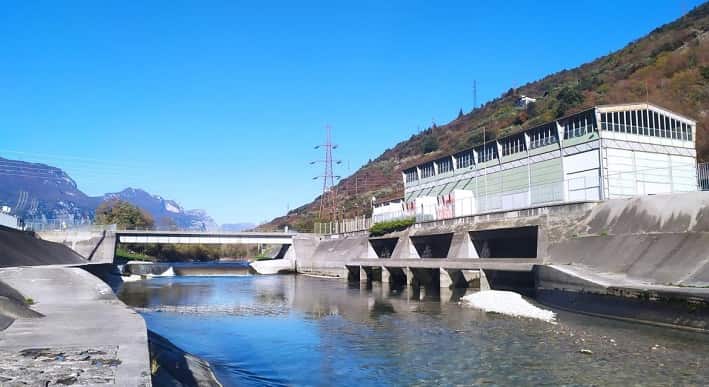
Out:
{"x": 182, "y": 253}
{"x": 383, "y": 228}
{"x": 429, "y": 144}
{"x": 123, "y": 214}
{"x": 123, "y": 253}
{"x": 29, "y": 301}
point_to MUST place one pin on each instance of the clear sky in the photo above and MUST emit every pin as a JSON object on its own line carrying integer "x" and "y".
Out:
{"x": 218, "y": 104}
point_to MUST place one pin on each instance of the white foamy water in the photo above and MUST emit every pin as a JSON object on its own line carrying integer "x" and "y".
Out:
{"x": 168, "y": 273}
{"x": 131, "y": 278}
{"x": 507, "y": 303}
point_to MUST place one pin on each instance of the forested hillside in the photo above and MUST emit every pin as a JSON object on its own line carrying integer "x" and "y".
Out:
{"x": 668, "y": 67}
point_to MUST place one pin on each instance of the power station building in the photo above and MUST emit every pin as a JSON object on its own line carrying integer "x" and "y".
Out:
{"x": 605, "y": 152}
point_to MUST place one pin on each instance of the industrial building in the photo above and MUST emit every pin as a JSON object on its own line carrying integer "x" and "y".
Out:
{"x": 604, "y": 152}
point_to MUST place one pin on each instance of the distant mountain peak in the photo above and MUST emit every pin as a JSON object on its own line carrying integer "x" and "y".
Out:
{"x": 40, "y": 192}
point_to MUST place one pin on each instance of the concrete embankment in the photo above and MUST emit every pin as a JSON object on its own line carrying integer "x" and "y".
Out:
{"x": 86, "y": 335}
{"x": 22, "y": 248}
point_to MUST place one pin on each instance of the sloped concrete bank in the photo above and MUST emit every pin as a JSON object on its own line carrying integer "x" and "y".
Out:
{"x": 22, "y": 248}
{"x": 85, "y": 335}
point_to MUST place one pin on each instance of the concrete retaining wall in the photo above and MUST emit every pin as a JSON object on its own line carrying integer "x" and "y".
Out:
{"x": 95, "y": 246}
{"x": 660, "y": 239}
{"x": 21, "y": 248}
{"x": 330, "y": 256}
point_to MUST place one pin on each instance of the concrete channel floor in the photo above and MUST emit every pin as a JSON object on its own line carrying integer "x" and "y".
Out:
{"x": 83, "y": 316}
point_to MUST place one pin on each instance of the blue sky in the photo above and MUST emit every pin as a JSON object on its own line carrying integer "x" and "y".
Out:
{"x": 218, "y": 104}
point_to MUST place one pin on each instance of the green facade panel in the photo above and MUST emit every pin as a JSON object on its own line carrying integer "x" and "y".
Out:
{"x": 548, "y": 171}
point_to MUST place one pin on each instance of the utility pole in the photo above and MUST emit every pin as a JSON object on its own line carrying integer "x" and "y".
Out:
{"x": 328, "y": 199}
{"x": 475, "y": 95}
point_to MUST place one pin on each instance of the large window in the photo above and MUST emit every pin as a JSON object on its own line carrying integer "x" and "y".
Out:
{"x": 411, "y": 175}
{"x": 445, "y": 165}
{"x": 543, "y": 136}
{"x": 647, "y": 123}
{"x": 465, "y": 159}
{"x": 513, "y": 145}
{"x": 427, "y": 170}
{"x": 489, "y": 152}
{"x": 579, "y": 125}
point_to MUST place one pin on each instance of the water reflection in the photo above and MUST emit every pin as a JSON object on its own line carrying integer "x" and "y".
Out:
{"x": 297, "y": 330}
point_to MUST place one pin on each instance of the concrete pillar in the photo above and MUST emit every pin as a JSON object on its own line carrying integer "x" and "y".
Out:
{"x": 410, "y": 281}
{"x": 386, "y": 276}
{"x": 365, "y": 274}
{"x": 484, "y": 284}
{"x": 445, "y": 279}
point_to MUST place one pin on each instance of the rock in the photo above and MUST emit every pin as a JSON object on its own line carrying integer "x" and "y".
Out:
{"x": 586, "y": 351}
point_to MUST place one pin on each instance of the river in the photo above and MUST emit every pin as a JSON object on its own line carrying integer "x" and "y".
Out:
{"x": 299, "y": 330}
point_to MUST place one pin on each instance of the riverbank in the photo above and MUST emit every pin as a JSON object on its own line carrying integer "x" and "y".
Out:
{"x": 84, "y": 336}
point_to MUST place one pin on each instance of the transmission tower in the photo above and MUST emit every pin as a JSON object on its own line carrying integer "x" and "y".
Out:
{"x": 328, "y": 199}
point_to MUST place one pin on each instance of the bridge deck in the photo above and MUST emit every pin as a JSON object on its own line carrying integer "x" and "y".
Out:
{"x": 506, "y": 264}
{"x": 204, "y": 237}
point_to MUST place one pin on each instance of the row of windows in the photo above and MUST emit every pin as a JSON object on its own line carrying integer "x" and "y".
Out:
{"x": 465, "y": 159}
{"x": 489, "y": 153}
{"x": 427, "y": 170}
{"x": 543, "y": 136}
{"x": 514, "y": 145}
{"x": 445, "y": 165}
{"x": 579, "y": 125}
{"x": 411, "y": 175}
{"x": 642, "y": 122}
{"x": 646, "y": 122}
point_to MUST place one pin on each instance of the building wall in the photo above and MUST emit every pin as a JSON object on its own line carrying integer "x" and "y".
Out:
{"x": 623, "y": 158}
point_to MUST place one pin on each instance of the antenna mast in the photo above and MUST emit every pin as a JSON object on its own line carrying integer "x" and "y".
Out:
{"x": 475, "y": 95}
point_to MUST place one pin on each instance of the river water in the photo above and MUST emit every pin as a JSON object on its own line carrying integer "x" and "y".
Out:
{"x": 298, "y": 330}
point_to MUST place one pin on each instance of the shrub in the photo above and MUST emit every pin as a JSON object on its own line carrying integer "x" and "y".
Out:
{"x": 383, "y": 228}
{"x": 705, "y": 72}
{"x": 429, "y": 144}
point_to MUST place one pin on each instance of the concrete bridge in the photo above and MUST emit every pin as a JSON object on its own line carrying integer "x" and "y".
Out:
{"x": 204, "y": 237}
{"x": 99, "y": 246}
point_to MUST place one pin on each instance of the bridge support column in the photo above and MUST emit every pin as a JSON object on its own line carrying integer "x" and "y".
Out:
{"x": 483, "y": 282}
{"x": 386, "y": 275}
{"x": 445, "y": 279}
{"x": 365, "y": 274}
{"x": 410, "y": 280}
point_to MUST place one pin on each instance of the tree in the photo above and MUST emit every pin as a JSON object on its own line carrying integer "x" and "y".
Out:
{"x": 123, "y": 214}
{"x": 460, "y": 113}
{"x": 532, "y": 109}
{"x": 568, "y": 97}
{"x": 429, "y": 144}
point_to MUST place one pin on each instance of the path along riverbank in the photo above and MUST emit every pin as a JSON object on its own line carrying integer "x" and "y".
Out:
{"x": 85, "y": 335}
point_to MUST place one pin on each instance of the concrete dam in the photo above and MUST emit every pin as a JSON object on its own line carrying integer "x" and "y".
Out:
{"x": 637, "y": 251}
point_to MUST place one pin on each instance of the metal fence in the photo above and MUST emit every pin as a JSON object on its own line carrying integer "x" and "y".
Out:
{"x": 343, "y": 226}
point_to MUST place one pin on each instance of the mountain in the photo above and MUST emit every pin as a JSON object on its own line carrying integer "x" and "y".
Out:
{"x": 668, "y": 67}
{"x": 167, "y": 213}
{"x": 235, "y": 227}
{"x": 39, "y": 192}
